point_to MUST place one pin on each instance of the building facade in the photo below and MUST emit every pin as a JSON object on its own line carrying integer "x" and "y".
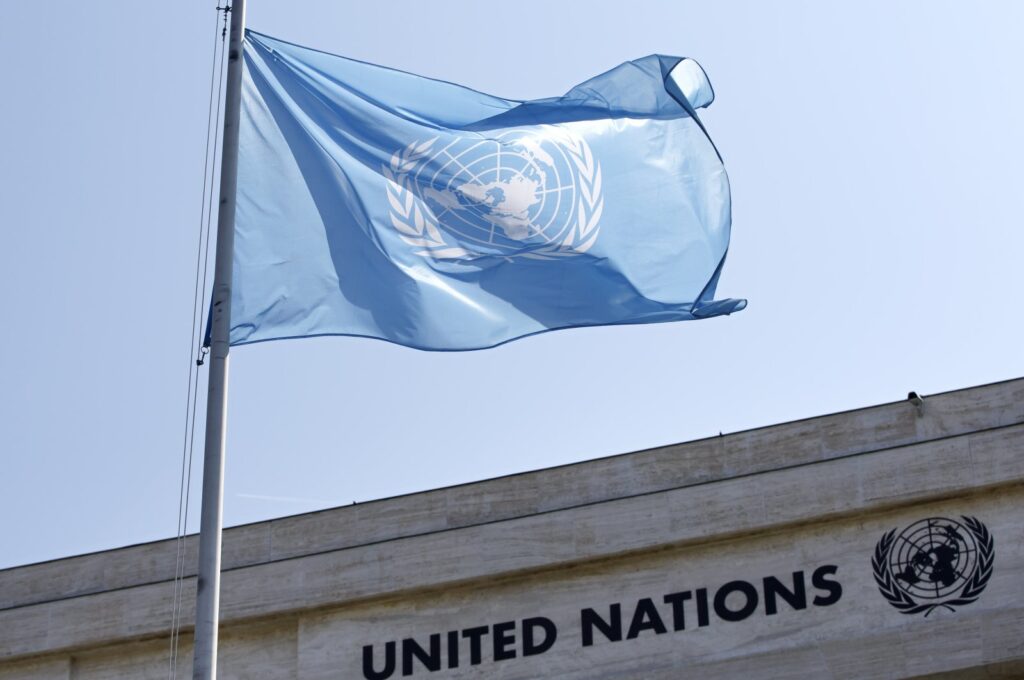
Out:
{"x": 886, "y": 542}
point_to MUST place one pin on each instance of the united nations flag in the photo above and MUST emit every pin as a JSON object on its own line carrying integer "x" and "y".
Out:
{"x": 376, "y": 203}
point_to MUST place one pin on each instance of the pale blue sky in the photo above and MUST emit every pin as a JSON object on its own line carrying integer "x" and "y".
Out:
{"x": 875, "y": 151}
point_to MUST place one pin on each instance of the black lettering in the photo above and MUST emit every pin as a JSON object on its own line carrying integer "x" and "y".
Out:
{"x": 678, "y": 615}
{"x": 474, "y": 635}
{"x": 702, "y": 607}
{"x": 530, "y": 646}
{"x": 748, "y": 591}
{"x": 431, "y": 660}
{"x": 645, "y": 617}
{"x": 504, "y": 638}
{"x": 773, "y": 588}
{"x": 834, "y": 590}
{"x": 453, "y": 649}
{"x": 369, "y": 672}
{"x": 589, "y": 619}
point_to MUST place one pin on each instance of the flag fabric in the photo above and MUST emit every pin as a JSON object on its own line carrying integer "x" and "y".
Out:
{"x": 373, "y": 202}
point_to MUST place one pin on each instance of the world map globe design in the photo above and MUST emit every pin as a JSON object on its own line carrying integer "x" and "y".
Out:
{"x": 499, "y": 195}
{"x": 933, "y": 558}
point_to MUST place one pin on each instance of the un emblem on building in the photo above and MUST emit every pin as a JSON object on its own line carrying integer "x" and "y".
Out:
{"x": 935, "y": 562}
{"x": 521, "y": 193}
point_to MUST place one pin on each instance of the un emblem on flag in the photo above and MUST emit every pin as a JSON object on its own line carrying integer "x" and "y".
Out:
{"x": 935, "y": 562}
{"x": 521, "y": 193}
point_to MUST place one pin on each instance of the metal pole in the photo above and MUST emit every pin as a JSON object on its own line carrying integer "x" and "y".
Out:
{"x": 204, "y": 663}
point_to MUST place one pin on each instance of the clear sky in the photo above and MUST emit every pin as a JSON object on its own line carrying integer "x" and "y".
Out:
{"x": 875, "y": 152}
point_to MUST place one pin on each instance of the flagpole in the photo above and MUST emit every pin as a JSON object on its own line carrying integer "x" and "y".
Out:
{"x": 204, "y": 664}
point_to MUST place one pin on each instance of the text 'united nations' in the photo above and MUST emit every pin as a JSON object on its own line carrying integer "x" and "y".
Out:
{"x": 618, "y": 622}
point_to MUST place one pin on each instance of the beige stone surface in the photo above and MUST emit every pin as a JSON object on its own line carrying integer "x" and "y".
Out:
{"x": 38, "y": 669}
{"x": 861, "y": 636}
{"x": 301, "y": 595}
{"x": 970, "y": 410}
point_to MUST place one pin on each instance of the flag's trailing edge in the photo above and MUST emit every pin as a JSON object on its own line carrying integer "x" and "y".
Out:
{"x": 377, "y": 203}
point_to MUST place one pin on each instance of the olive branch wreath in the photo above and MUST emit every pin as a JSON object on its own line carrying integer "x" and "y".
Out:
{"x": 971, "y": 591}
{"x": 417, "y": 226}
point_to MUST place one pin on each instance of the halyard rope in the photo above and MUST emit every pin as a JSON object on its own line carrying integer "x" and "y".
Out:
{"x": 195, "y": 340}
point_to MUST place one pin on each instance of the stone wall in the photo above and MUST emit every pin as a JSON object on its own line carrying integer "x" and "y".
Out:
{"x": 750, "y": 553}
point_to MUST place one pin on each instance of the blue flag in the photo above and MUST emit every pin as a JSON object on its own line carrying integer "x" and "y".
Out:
{"x": 377, "y": 203}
